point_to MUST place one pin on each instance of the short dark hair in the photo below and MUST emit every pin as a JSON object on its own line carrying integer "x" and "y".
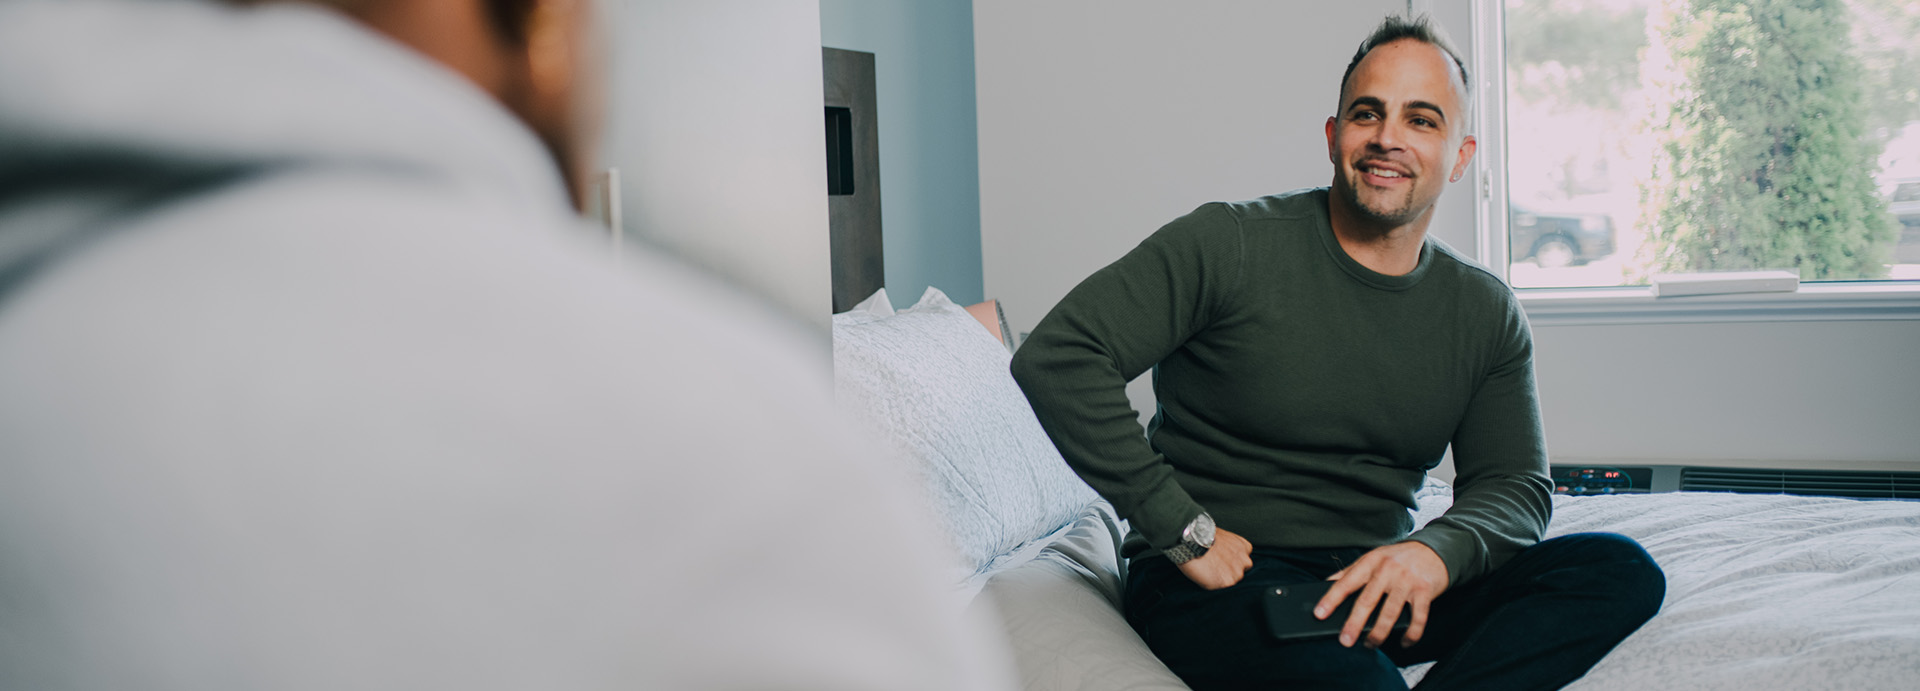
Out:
{"x": 1418, "y": 27}
{"x": 510, "y": 19}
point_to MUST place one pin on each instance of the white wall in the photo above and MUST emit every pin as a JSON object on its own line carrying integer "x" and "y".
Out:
{"x": 1100, "y": 121}
{"x": 715, "y": 124}
{"x": 1844, "y": 394}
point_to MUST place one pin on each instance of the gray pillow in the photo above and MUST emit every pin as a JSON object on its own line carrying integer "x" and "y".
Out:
{"x": 933, "y": 383}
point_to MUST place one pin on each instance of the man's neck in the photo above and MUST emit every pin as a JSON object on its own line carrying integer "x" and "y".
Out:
{"x": 1387, "y": 250}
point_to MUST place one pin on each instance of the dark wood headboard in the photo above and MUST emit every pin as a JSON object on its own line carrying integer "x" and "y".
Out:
{"x": 853, "y": 172}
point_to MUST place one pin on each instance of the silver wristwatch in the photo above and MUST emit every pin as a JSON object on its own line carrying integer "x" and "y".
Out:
{"x": 1194, "y": 541}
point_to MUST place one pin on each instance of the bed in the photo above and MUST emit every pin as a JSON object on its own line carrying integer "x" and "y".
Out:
{"x": 1764, "y": 592}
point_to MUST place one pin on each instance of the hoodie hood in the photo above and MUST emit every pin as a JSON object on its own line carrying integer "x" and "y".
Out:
{"x": 111, "y": 109}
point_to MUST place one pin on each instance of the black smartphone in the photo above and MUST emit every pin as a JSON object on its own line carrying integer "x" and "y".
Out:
{"x": 1290, "y": 614}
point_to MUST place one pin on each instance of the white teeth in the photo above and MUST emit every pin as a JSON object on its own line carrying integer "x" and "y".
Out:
{"x": 1384, "y": 173}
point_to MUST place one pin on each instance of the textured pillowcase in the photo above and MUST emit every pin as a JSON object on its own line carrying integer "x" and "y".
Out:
{"x": 876, "y": 306}
{"x": 1434, "y": 497}
{"x": 935, "y": 384}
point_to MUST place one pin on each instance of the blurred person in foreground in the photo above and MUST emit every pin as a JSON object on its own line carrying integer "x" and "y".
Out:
{"x": 310, "y": 379}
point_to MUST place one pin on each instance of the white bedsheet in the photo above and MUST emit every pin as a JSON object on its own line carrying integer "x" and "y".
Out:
{"x": 1764, "y": 592}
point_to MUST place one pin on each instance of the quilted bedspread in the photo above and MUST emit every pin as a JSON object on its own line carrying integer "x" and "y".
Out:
{"x": 1763, "y": 592}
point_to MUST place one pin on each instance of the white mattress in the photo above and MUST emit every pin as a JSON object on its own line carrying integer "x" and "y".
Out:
{"x": 1764, "y": 592}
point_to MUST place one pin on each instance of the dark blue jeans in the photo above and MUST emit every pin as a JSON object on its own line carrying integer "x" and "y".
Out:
{"x": 1539, "y": 621}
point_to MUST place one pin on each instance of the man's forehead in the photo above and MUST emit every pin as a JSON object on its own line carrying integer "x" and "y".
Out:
{"x": 1407, "y": 64}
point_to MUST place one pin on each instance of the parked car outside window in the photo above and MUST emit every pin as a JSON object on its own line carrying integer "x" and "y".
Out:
{"x": 1904, "y": 204}
{"x": 1554, "y": 239}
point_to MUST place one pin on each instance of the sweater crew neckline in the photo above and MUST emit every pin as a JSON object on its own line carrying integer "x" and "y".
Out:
{"x": 1323, "y": 218}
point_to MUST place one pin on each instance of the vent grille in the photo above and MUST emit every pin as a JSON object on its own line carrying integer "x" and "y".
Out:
{"x": 1854, "y": 484}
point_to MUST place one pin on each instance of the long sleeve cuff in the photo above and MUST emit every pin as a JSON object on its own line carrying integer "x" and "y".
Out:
{"x": 1164, "y": 513}
{"x": 1459, "y": 549}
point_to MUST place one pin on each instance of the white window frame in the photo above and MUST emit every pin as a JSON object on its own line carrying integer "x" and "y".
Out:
{"x": 1822, "y": 301}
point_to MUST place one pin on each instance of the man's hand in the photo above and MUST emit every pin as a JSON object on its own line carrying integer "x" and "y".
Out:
{"x": 1407, "y": 574}
{"x": 1224, "y": 564}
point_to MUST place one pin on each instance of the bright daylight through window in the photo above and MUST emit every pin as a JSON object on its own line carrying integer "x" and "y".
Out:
{"x": 1670, "y": 136}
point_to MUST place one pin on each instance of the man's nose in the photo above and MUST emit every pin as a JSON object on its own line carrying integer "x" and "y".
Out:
{"x": 1386, "y": 137}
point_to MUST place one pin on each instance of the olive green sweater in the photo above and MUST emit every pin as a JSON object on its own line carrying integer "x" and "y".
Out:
{"x": 1302, "y": 397}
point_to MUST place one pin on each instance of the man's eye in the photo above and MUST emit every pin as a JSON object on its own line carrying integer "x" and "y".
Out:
{"x": 1364, "y": 115}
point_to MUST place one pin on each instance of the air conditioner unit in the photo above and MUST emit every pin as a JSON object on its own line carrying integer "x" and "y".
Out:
{"x": 1807, "y": 479}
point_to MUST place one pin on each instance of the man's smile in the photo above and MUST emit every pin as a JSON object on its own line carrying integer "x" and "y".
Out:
{"x": 1381, "y": 174}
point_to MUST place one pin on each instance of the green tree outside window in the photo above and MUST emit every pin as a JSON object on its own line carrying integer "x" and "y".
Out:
{"x": 1764, "y": 158}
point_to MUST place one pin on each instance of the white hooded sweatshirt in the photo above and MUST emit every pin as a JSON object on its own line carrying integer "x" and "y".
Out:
{"x": 309, "y": 379}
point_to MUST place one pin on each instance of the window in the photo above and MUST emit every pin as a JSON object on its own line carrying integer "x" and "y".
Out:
{"x": 1654, "y": 136}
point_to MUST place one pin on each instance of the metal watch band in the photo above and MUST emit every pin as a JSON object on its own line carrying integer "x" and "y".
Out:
{"x": 1195, "y": 540}
{"x": 1183, "y": 553}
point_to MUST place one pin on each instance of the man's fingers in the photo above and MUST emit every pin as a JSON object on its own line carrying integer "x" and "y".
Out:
{"x": 1417, "y": 627}
{"x": 1217, "y": 571}
{"x": 1235, "y": 571}
{"x": 1383, "y": 625}
{"x": 1338, "y": 592}
{"x": 1223, "y": 566}
{"x": 1362, "y": 606}
{"x": 1222, "y": 576}
{"x": 1237, "y": 566}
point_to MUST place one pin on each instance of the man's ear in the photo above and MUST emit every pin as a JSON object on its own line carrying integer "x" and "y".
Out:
{"x": 1332, "y": 155}
{"x": 543, "y": 40}
{"x": 1467, "y": 146}
{"x": 551, "y": 42}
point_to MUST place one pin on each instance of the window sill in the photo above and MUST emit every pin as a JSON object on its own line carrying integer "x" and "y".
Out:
{"x": 1825, "y": 301}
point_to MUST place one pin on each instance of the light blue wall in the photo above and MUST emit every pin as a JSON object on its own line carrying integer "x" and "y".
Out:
{"x": 929, "y": 153}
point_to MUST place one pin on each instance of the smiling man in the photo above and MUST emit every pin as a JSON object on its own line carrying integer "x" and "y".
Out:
{"x": 1315, "y": 353}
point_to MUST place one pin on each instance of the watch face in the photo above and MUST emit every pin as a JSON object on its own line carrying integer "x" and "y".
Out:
{"x": 1202, "y": 530}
